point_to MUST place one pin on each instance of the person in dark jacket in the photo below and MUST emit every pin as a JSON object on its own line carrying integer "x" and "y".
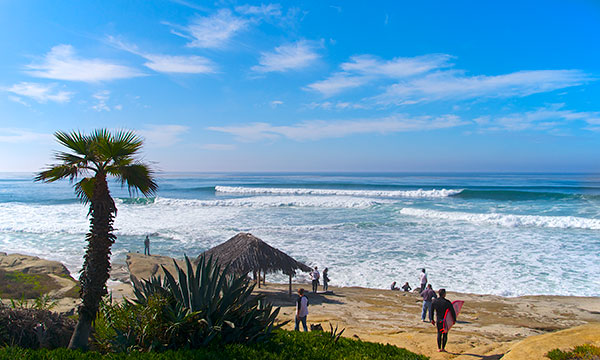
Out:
{"x": 440, "y": 306}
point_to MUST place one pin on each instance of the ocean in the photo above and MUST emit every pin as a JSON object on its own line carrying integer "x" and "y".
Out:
{"x": 502, "y": 234}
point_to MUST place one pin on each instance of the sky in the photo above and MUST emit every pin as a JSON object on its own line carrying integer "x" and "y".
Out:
{"x": 431, "y": 86}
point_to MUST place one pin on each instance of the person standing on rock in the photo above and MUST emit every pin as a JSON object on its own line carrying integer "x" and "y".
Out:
{"x": 428, "y": 296}
{"x": 325, "y": 279}
{"x": 314, "y": 275}
{"x": 147, "y": 246}
{"x": 423, "y": 278}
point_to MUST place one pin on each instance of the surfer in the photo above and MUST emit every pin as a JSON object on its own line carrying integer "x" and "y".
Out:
{"x": 441, "y": 306}
{"x": 423, "y": 278}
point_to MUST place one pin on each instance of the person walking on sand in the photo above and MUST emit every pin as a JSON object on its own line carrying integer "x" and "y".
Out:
{"x": 440, "y": 306}
{"x": 428, "y": 296}
{"x": 301, "y": 310}
{"x": 314, "y": 275}
{"x": 423, "y": 278}
{"x": 325, "y": 279}
{"x": 147, "y": 246}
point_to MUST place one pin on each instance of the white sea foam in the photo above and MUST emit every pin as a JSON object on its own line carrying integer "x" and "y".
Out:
{"x": 509, "y": 220}
{"x": 420, "y": 193}
{"x": 276, "y": 201}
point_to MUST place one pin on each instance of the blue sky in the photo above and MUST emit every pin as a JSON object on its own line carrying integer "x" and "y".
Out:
{"x": 308, "y": 86}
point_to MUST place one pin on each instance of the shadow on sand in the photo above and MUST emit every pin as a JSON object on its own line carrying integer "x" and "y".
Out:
{"x": 282, "y": 297}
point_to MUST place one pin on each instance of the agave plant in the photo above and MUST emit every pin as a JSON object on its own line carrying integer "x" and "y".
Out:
{"x": 203, "y": 305}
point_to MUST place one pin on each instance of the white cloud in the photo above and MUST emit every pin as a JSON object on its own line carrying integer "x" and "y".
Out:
{"x": 338, "y": 105}
{"x": 454, "y": 85}
{"x": 180, "y": 64}
{"x": 41, "y": 93}
{"x": 363, "y": 69}
{"x": 276, "y": 103}
{"x": 548, "y": 118}
{"x": 271, "y": 10}
{"x": 318, "y": 129}
{"x": 212, "y": 31}
{"x": 287, "y": 57}
{"x": 17, "y": 136}
{"x": 61, "y": 63}
{"x": 219, "y": 147}
{"x": 162, "y": 135}
{"x": 101, "y": 97}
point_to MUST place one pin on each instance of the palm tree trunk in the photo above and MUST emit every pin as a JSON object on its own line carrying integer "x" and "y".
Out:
{"x": 96, "y": 263}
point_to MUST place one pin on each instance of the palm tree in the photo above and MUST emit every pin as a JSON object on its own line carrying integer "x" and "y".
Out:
{"x": 92, "y": 158}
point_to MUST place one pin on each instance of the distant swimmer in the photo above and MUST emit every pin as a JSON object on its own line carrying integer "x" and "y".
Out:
{"x": 147, "y": 246}
{"x": 441, "y": 306}
{"x": 406, "y": 287}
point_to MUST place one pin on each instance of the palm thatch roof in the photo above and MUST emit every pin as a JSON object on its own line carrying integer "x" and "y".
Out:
{"x": 246, "y": 253}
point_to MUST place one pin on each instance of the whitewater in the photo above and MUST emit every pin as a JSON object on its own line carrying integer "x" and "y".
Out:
{"x": 502, "y": 234}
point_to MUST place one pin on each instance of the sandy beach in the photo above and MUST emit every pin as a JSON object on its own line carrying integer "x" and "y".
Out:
{"x": 488, "y": 328}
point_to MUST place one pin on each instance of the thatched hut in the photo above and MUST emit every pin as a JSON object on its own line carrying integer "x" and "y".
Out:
{"x": 245, "y": 253}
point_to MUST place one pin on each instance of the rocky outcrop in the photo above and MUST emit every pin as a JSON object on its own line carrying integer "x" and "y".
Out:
{"x": 145, "y": 266}
{"x": 31, "y": 265}
{"x": 536, "y": 347}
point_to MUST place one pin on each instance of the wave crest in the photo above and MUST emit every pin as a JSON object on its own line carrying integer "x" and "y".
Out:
{"x": 420, "y": 193}
{"x": 509, "y": 220}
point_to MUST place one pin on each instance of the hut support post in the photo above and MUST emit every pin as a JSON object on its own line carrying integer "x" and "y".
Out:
{"x": 265, "y": 278}
{"x": 290, "y": 284}
{"x": 259, "y": 278}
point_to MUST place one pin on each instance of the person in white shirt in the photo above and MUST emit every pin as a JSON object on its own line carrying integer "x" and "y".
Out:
{"x": 315, "y": 279}
{"x": 423, "y": 278}
{"x": 301, "y": 310}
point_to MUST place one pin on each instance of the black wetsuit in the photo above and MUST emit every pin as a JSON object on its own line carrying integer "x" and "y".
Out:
{"x": 440, "y": 306}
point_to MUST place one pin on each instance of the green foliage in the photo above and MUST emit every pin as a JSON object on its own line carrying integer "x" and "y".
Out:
{"x": 16, "y": 284}
{"x": 282, "y": 345}
{"x": 204, "y": 306}
{"x": 582, "y": 352}
{"x": 333, "y": 334}
{"x": 42, "y": 302}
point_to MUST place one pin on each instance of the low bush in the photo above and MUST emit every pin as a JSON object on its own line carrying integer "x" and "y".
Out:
{"x": 582, "y": 352}
{"x": 34, "y": 328}
{"x": 282, "y": 345}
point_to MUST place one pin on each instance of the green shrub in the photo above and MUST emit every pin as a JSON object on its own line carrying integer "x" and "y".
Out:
{"x": 282, "y": 345}
{"x": 34, "y": 328}
{"x": 204, "y": 306}
{"x": 582, "y": 352}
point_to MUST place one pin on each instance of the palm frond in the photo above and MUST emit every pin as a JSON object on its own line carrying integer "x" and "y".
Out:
{"x": 84, "y": 189}
{"x": 75, "y": 141}
{"x": 58, "y": 172}
{"x": 137, "y": 177}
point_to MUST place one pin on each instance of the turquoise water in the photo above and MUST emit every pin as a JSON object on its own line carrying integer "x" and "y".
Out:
{"x": 505, "y": 234}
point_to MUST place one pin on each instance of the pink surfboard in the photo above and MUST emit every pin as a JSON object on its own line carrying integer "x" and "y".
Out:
{"x": 449, "y": 320}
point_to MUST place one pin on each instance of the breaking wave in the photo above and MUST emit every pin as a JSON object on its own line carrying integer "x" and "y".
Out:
{"x": 339, "y": 192}
{"x": 509, "y": 220}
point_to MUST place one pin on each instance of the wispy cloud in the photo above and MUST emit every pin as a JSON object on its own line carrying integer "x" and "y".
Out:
{"x": 174, "y": 64}
{"x": 276, "y": 103}
{"x": 101, "y": 98}
{"x": 363, "y": 69}
{"x": 287, "y": 57}
{"x": 455, "y": 85}
{"x": 162, "y": 135}
{"x": 41, "y": 93}
{"x": 270, "y": 10}
{"x": 17, "y": 136}
{"x": 335, "y": 105}
{"x": 61, "y": 63}
{"x": 213, "y": 31}
{"x": 318, "y": 129}
{"x": 543, "y": 119}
